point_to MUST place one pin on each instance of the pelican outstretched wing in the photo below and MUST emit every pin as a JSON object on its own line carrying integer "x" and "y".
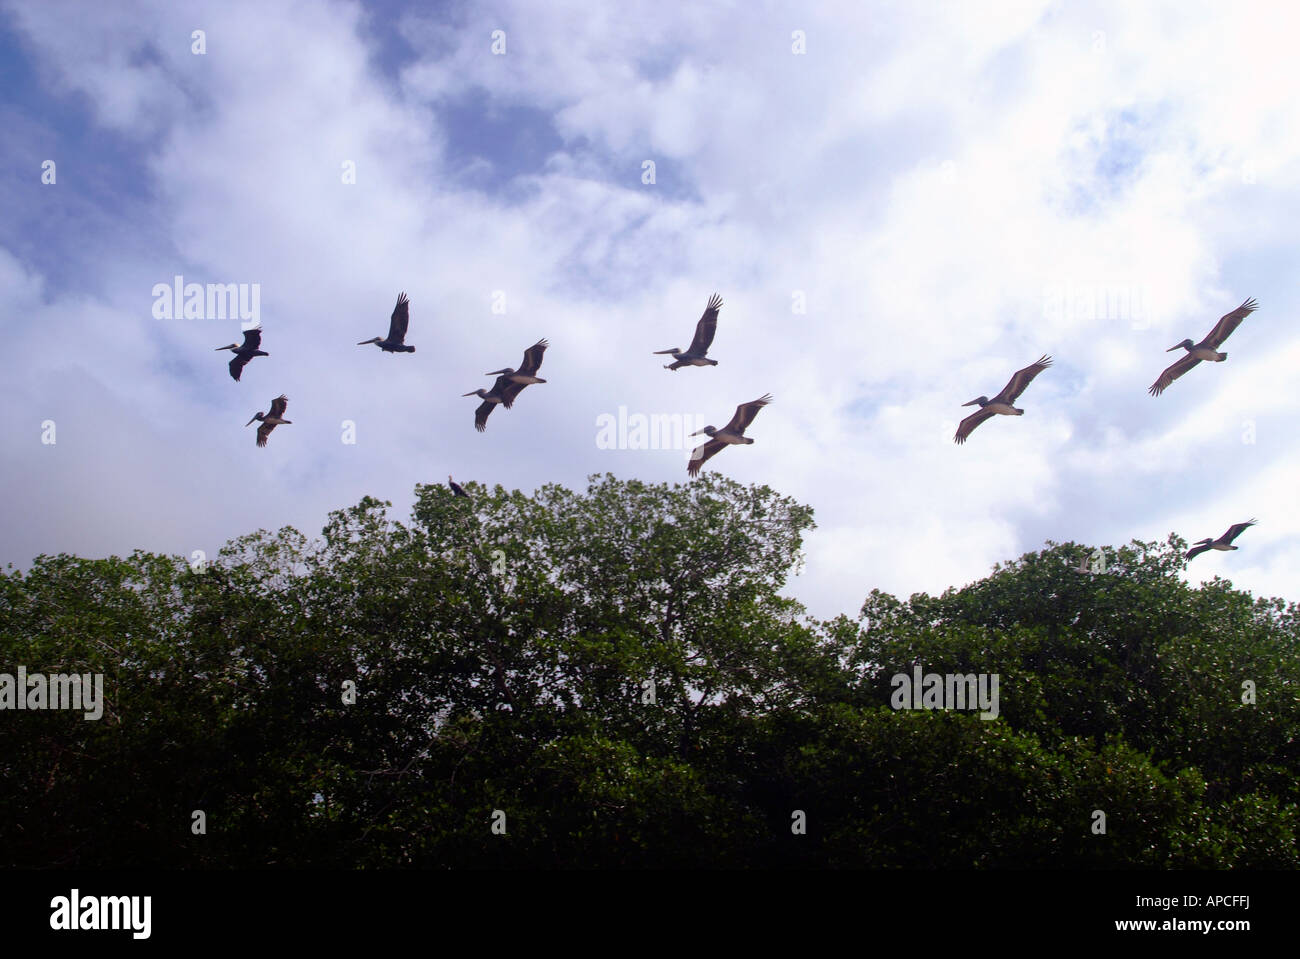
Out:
{"x": 1235, "y": 530}
{"x": 746, "y": 412}
{"x": 279, "y": 405}
{"x": 481, "y": 414}
{"x": 968, "y": 425}
{"x": 1227, "y": 323}
{"x": 400, "y": 320}
{"x": 707, "y": 327}
{"x": 1016, "y": 385}
{"x": 702, "y": 453}
{"x": 1196, "y": 551}
{"x": 237, "y": 364}
{"x": 1172, "y": 373}
{"x": 533, "y": 358}
{"x": 252, "y": 339}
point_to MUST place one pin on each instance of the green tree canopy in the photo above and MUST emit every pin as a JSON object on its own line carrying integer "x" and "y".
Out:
{"x": 614, "y": 678}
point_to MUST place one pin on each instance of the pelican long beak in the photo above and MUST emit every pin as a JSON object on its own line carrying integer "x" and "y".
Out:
{"x": 251, "y": 422}
{"x": 499, "y": 372}
{"x": 470, "y": 393}
{"x": 664, "y": 352}
{"x": 232, "y": 346}
{"x": 972, "y": 403}
{"x": 366, "y": 342}
{"x": 1176, "y": 346}
{"x": 698, "y": 433}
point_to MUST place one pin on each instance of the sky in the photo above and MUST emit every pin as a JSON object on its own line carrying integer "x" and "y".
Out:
{"x": 900, "y": 204}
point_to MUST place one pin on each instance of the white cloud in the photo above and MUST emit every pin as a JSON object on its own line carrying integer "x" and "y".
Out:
{"x": 924, "y": 176}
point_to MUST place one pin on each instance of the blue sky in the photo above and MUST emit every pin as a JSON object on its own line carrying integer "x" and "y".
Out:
{"x": 923, "y": 177}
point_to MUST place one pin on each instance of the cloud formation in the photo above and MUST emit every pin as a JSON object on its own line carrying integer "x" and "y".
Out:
{"x": 950, "y": 193}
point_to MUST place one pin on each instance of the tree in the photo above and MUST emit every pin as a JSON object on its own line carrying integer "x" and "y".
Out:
{"x": 613, "y": 678}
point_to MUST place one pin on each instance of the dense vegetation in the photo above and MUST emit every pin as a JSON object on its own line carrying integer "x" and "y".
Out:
{"x": 504, "y": 650}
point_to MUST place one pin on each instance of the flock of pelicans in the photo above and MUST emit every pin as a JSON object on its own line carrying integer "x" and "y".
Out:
{"x": 510, "y": 383}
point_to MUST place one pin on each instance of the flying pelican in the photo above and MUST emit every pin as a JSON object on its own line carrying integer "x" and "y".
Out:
{"x": 1222, "y": 543}
{"x": 490, "y": 400}
{"x": 697, "y": 355}
{"x": 509, "y": 384}
{"x": 516, "y": 380}
{"x": 397, "y": 325}
{"x": 733, "y": 434}
{"x": 1204, "y": 350}
{"x": 270, "y": 420}
{"x": 249, "y": 349}
{"x": 1002, "y": 402}
{"x": 456, "y": 488}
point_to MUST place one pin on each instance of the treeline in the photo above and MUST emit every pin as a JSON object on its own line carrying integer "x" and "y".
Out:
{"x": 611, "y": 679}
